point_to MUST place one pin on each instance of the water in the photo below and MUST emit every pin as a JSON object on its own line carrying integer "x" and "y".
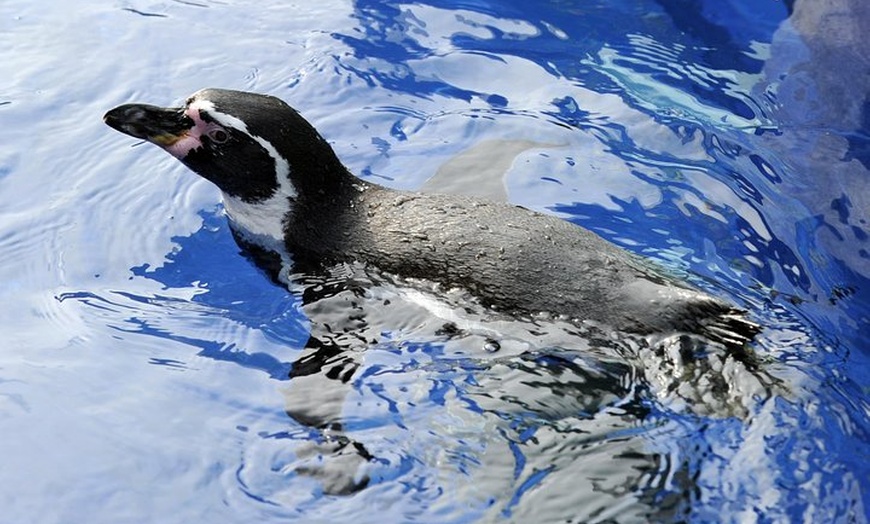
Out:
{"x": 144, "y": 365}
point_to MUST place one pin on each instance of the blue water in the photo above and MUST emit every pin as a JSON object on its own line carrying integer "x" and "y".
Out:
{"x": 144, "y": 361}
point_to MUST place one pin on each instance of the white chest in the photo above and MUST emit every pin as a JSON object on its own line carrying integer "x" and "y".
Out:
{"x": 261, "y": 220}
{"x": 262, "y": 224}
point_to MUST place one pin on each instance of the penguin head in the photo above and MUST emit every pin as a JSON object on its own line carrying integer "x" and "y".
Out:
{"x": 252, "y": 146}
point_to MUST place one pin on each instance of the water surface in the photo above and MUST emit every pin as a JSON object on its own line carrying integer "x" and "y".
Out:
{"x": 145, "y": 362}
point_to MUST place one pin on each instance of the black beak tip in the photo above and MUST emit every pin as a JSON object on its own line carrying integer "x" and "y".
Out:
{"x": 127, "y": 119}
{"x": 146, "y": 122}
{"x": 113, "y": 118}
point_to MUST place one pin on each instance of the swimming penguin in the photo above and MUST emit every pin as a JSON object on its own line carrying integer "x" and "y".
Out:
{"x": 288, "y": 195}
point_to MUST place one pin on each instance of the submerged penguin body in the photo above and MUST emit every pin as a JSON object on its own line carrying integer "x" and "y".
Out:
{"x": 286, "y": 192}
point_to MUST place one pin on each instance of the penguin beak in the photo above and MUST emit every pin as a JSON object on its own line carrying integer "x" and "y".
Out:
{"x": 158, "y": 125}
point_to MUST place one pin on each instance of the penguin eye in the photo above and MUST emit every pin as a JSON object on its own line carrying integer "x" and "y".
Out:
{"x": 218, "y": 136}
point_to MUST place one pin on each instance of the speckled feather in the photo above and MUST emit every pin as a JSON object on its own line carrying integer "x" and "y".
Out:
{"x": 511, "y": 258}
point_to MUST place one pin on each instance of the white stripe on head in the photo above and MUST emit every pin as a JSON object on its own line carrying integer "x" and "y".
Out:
{"x": 261, "y": 223}
{"x": 282, "y": 167}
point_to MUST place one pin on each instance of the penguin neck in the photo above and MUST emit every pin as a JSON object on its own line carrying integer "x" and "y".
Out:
{"x": 313, "y": 218}
{"x": 309, "y": 178}
{"x": 260, "y": 223}
{"x": 324, "y": 186}
{"x": 315, "y": 171}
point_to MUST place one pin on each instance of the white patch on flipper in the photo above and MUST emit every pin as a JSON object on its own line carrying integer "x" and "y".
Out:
{"x": 457, "y": 307}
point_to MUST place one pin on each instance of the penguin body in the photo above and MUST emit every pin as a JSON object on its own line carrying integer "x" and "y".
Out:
{"x": 286, "y": 193}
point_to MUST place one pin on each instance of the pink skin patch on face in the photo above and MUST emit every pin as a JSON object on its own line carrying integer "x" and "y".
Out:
{"x": 192, "y": 138}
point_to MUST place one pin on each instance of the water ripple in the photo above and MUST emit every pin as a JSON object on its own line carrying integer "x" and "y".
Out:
{"x": 190, "y": 388}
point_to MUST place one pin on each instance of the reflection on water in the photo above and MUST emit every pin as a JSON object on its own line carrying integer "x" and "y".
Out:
{"x": 385, "y": 392}
{"x": 150, "y": 372}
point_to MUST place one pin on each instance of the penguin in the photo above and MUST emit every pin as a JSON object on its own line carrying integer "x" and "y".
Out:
{"x": 290, "y": 200}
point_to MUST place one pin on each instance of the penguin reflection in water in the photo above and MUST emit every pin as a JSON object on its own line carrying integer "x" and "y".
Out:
{"x": 288, "y": 199}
